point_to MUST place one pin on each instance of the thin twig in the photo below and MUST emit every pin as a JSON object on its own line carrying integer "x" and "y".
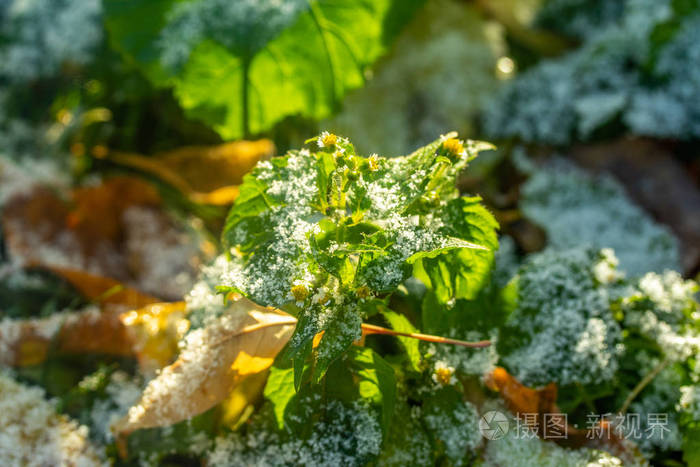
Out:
{"x": 372, "y": 329}
{"x": 642, "y": 384}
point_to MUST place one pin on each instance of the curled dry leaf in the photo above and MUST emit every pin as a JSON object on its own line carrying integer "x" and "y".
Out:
{"x": 213, "y": 361}
{"x": 207, "y": 174}
{"x": 27, "y": 342}
{"x": 102, "y": 290}
{"x": 521, "y": 399}
{"x": 126, "y": 323}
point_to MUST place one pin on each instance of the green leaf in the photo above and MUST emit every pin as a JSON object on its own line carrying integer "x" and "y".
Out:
{"x": 302, "y": 246}
{"x": 375, "y": 380}
{"x": 488, "y": 310}
{"x": 399, "y": 322}
{"x": 461, "y": 272}
{"x": 251, "y": 55}
{"x": 280, "y": 391}
{"x": 245, "y": 226}
{"x": 691, "y": 445}
{"x": 342, "y": 330}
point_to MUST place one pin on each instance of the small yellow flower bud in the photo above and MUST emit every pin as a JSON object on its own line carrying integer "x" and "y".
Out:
{"x": 300, "y": 292}
{"x": 362, "y": 292}
{"x": 443, "y": 376}
{"x": 373, "y": 162}
{"x": 328, "y": 139}
{"x": 453, "y": 146}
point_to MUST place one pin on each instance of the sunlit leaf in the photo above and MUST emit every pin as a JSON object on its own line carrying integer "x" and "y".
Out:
{"x": 207, "y": 174}
{"x": 213, "y": 362}
{"x": 250, "y": 54}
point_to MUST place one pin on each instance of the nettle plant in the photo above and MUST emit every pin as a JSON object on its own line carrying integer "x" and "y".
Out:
{"x": 328, "y": 235}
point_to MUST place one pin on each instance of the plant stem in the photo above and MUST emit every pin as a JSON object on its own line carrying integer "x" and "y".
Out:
{"x": 372, "y": 329}
{"x": 244, "y": 97}
{"x": 642, "y": 384}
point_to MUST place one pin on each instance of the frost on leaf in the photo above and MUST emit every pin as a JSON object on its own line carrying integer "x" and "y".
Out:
{"x": 213, "y": 361}
{"x": 327, "y": 233}
{"x": 33, "y": 434}
{"x": 577, "y": 209}
{"x": 563, "y": 329}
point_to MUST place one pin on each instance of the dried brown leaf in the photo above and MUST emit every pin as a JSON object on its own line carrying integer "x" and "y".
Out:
{"x": 214, "y": 360}
{"x": 207, "y": 174}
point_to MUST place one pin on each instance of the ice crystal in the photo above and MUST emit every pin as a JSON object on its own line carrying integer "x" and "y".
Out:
{"x": 563, "y": 329}
{"x": 576, "y": 209}
{"x": 609, "y": 78}
{"x": 349, "y": 436}
{"x": 33, "y": 434}
{"x": 243, "y": 26}
{"x": 41, "y": 35}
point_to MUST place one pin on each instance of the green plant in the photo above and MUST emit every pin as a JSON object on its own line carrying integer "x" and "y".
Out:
{"x": 251, "y": 52}
{"x": 328, "y": 235}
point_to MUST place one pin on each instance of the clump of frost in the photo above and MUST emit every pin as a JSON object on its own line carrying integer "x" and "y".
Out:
{"x": 621, "y": 73}
{"x": 689, "y": 402}
{"x": 671, "y": 109}
{"x": 577, "y": 209}
{"x": 578, "y": 18}
{"x": 41, "y": 35}
{"x": 243, "y": 26}
{"x": 525, "y": 451}
{"x": 562, "y": 329}
{"x": 32, "y": 434}
{"x": 663, "y": 308}
{"x": 204, "y": 304}
{"x": 458, "y": 431}
{"x": 122, "y": 392}
{"x": 407, "y": 442}
{"x": 350, "y": 436}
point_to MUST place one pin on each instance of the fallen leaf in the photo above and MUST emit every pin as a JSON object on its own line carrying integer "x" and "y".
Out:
{"x": 154, "y": 332}
{"x": 207, "y": 174}
{"x": 213, "y": 361}
{"x": 28, "y": 342}
{"x": 102, "y": 290}
{"x": 123, "y": 322}
{"x": 117, "y": 229}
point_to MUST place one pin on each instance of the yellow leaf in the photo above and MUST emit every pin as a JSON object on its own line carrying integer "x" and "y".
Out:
{"x": 236, "y": 407}
{"x": 213, "y": 361}
{"x": 154, "y": 331}
{"x": 102, "y": 290}
{"x": 207, "y": 174}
